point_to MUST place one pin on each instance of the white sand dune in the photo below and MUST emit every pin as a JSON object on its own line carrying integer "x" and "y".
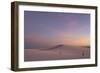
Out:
{"x": 58, "y": 53}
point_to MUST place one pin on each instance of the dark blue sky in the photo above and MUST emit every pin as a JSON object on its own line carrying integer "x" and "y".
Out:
{"x": 43, "y": 29}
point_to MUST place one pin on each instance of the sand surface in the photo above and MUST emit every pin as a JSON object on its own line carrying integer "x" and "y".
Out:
{"x": 65, "y": 52}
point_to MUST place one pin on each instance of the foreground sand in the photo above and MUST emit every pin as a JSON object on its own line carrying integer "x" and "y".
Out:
{"x": 56, "y": 54}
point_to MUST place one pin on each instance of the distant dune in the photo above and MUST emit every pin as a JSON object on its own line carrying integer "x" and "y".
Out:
{"x": 58, "y": 52}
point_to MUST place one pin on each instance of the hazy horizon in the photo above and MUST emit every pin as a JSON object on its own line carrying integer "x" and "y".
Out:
{"x": 47, "y": 29}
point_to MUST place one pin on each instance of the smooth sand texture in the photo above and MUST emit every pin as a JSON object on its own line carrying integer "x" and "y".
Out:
{"x": 59, "y": 53}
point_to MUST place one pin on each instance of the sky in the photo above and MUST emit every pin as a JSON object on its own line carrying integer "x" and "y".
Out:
{"x": 45, "y": 29}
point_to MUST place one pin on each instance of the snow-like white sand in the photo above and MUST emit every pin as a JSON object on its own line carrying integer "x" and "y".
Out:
{"x": 65, "y": 52}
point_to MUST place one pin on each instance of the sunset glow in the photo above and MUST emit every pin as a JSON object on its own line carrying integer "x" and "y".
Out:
{"x": 44, "y": 29}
